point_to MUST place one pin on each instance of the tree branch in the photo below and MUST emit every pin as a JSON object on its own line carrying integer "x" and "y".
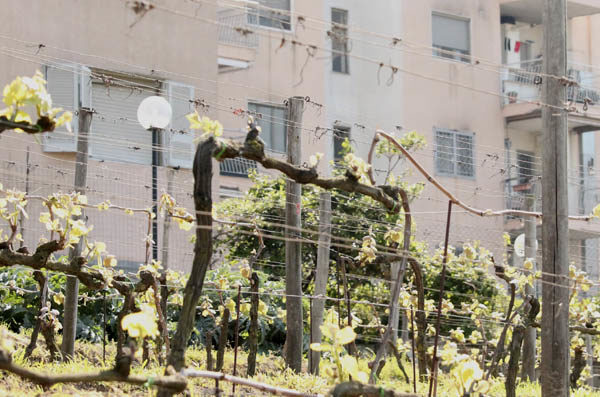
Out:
{"x": 193, "y": 373}
{"x": 355, "y": 389}
{"x": 453, "y": 198}
{"x": 507, "y": 321}
{"x": 253, "y": 149}
{"x": 44, "y": 124}
{"x": 176, "y": 383}
{"x": 393, "y": 306}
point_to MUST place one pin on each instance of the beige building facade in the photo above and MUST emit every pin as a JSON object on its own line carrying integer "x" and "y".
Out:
{"x": 464, "y": 73}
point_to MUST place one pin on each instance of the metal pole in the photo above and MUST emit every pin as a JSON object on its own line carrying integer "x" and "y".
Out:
{"x": 555, "y": 207}
{"x": 72, "y": 286}
{"x": 104, "y": 330}
{"x": 164, "y": 291}
{"x": 434, "y": 361}
{"x": 412, "y": 327}
{"x": 155, "y": 165}
{"x": 293, "y": 249}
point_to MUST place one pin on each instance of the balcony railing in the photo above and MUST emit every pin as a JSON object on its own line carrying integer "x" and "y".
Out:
{"x": 237, "y": 167}
{"x": 523, "y": 82}
{"x": 234, "y": 28}
{"x": 582, "y": 195}
{"x": 517, "y": 191}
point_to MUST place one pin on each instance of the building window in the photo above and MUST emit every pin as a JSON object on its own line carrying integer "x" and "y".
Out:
{"x": 451, "y": 37}
{"x": 525, "y": 166}
{"x": 271, "y": 120}
{"x": 454, "y": 154}
{"x": 268, "y": 15}
{"x": 340, "y": 134}
{"x": 339, "y": 40}
{"x": 115, "y": 134}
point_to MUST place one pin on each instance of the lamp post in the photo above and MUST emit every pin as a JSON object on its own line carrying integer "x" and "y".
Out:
{"x": 154, "y": 114}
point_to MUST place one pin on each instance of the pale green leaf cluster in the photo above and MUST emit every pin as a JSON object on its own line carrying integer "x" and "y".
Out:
{"x": 31, "y": 91}
{"x": 208, "y": 126}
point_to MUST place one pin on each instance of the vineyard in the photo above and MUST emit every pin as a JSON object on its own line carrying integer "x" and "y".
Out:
{"x": 347, "y": 300}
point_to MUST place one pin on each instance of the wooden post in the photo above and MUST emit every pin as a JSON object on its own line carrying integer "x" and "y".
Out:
{"x": 236, "y": 334}
{"x": 222, "y": 339}
{"x": 208, "y": 339}
{"x": 434, "y": 359}
{"x": 530, "y": 333}
{"x": 555, "y": 226}
{"x": 351, "y": 347}
{"x": 394, "y": 318}
{"x": 22, "y": 216}
{"x": 253, "y": 333}
{"x": 321, "y": 276}
{"x": 293, "y": 249}
{"x": 72, "y": 287}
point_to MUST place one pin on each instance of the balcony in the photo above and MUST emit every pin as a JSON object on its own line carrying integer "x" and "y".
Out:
{"x": 238, "y": 167}
{"x": 530, "y": 11}
{"x": 516, "y": 192}
{"x": 522, "y": 82}
{"x": 237, "y": 41}
{"x": 234, "y": 28}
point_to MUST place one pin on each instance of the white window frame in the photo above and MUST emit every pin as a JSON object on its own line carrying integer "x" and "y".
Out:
{"x": 455, "y": 134}
{"x": 82, "y": 97}
{"x": 346, "y": 132}
{"x": 250, "y": 10}
{"x": 459, "y": 57}
{"x": 344, "y": 56}
{"x": 273, "y": 105}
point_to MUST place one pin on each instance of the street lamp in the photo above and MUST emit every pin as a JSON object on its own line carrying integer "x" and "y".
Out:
{"x": 154, "y": 114}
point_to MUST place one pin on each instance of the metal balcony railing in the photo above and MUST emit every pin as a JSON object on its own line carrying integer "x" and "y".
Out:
{"x": 237, "y": 167}
{"x": 523, "y": 82}
{"x": 234, "y": 28}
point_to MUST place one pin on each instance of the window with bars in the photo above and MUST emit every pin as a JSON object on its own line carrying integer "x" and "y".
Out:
{"x": 271, "y": 120}
{"x": 451, "y": 37}
{"x": 339, "y": 40}
{"x": 525, "y": 166}
{"x": 454, "y": 155}
{"x": 237, "y": 167}
{"x": 268, "y": 14}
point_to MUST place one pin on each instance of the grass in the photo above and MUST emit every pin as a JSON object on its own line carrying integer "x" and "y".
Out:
{"x": 271, "y": 369}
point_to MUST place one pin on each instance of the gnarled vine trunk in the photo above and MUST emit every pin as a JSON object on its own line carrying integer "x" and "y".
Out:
{"x": 202, "y": 251}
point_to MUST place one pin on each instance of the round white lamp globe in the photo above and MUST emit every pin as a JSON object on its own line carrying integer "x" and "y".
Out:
{"x": 154, "y": 112}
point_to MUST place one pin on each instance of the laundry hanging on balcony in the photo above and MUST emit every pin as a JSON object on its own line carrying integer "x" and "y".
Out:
{"x": 508, "y": 44}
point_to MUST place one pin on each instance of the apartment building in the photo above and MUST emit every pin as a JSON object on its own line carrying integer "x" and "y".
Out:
{"x": 110, "y": 55}
{"x": 462, "y": 73}
{"x": 461, "y": 76}
{"x": 522, "y": 33}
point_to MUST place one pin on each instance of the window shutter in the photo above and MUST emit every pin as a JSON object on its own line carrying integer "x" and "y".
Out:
{"x": 180, "y": 136}
{"x": 116, "y": 135}
{"x": 69, "y": 87}
{"x": 451, "y": 32}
